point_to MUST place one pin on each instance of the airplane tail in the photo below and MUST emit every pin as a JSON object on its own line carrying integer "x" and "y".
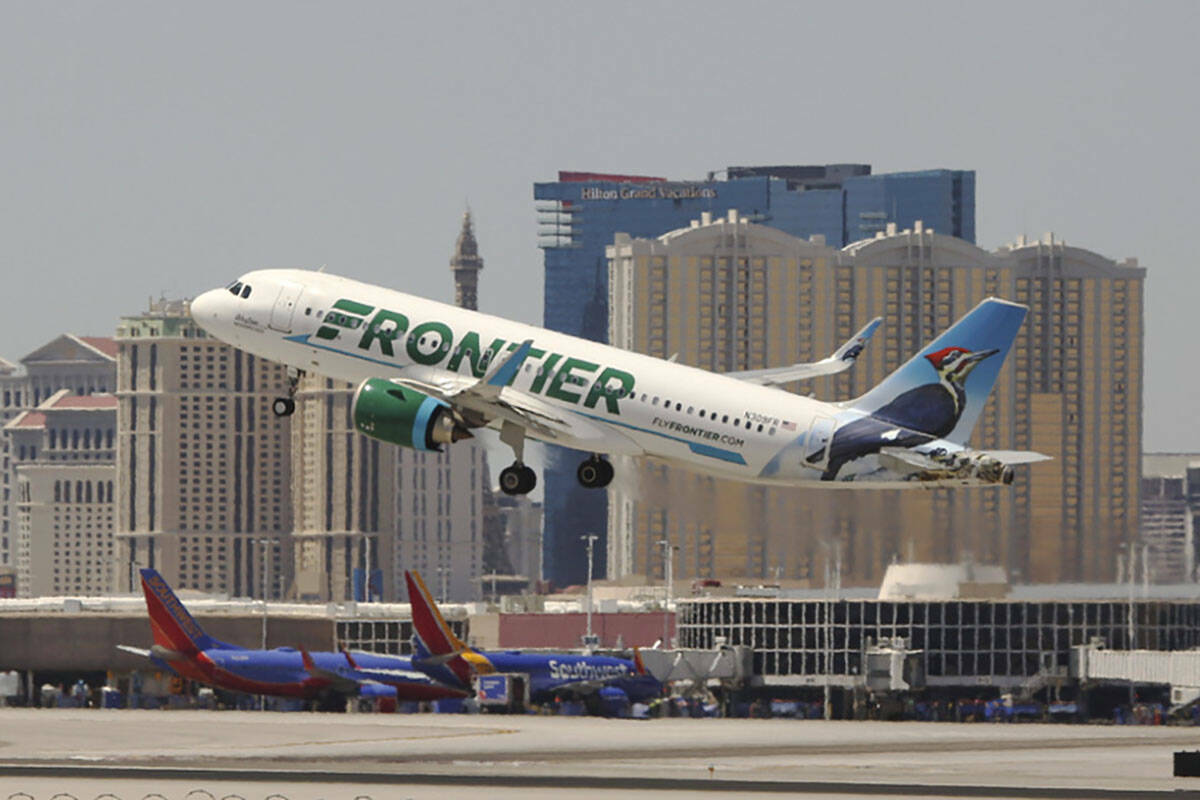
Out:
{"x": 173, "y": 627}
{"x": 964, "y": 360}
{"x": 435, "y": 645}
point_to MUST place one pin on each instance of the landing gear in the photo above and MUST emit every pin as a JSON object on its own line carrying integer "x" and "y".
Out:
{"x": 595, "y": 473}
{"x": 283, "y": 406}
{"x": 517, "y": 479}
{"x": 286, "y": 406}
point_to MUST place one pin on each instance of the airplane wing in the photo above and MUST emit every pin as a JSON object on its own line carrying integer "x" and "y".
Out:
{"x": 490, "y": 399}
{"x": 842, "y": 359}
{"x": 347, "y": 684}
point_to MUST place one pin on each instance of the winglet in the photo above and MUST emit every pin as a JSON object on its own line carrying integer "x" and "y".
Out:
{"x": 637, "y": 661}
{"x": 855, "y": 344}
{"x": 349, "y": 659}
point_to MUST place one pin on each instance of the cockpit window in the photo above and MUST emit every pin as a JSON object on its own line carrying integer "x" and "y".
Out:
{"x": 236, "y": 288}
{"x": 245, "y": 291}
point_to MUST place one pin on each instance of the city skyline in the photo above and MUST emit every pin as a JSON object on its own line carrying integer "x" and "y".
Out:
{"x": 162, "y": 150}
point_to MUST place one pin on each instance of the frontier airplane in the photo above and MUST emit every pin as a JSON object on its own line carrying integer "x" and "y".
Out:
{"x": 428, "y": 374}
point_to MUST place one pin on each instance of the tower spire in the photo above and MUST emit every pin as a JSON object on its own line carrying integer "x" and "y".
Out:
{"x": 465, "y": 264}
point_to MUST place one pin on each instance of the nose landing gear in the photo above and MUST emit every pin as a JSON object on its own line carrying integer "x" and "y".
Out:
{"x": 594, "y": 473}
{"x": 286, "y": 406}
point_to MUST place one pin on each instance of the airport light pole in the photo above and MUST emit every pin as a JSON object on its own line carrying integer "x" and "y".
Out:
{"x": 591, "y": 543}
{"x": 668, "y": 570}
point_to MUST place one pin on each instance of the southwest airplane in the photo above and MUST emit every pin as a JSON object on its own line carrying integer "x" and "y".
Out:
{"x": 428, "y": 374}
{"x": 181, "y": 645}
{"x": 446, "y": 659}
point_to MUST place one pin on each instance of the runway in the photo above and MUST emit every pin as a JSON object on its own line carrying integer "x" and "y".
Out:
{"x": 134, "y": 753}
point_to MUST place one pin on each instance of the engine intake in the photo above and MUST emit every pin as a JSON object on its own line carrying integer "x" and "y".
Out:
{"x": 396, "y": 414}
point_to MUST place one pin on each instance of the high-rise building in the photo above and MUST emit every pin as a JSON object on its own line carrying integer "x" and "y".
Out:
{"x": 203, "y": 464}
{"x": 83, "y": 364}
{"x": 368, "y": 508}
{"x": 465, "y": 264}
{"x": 1171, "y": 515}
{"x": 581, "y": 212}
{"x": 64, "y": 455}
{"x": 731, "y": 295}
{"x": 360, "y": 501}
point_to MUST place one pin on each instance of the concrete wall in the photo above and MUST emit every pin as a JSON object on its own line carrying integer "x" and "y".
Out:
{"x": 88, "y": 642}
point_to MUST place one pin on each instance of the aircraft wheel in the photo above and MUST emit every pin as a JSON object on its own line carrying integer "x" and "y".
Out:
{"x": 283, "y": 406}
{"x": 517, "y": 479}
{"x": 595, "y": 473}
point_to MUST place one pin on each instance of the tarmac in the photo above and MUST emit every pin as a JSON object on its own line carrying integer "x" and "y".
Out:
{"x": 204, "y": 754}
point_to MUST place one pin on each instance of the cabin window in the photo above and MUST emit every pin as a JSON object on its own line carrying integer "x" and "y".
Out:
{"x": 691, "y": 409}
{"x": 679, "y": 406}
{"x": 760, "y": 427}
{"x": 771, "y": 432}
{"x": 655, "y": 402}
{"x": 725, "y": 418}
{"x": 308, "y": 311}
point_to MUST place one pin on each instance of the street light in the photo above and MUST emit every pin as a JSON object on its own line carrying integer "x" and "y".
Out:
{"x": 669, "y": 559}
{"x": 591, "y": 543}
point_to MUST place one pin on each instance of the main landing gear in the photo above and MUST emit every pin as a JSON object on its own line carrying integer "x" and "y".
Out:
{"x": 595, "y": 473}
{"x": 517, "y": 478}
{"x": 286, "y": 406}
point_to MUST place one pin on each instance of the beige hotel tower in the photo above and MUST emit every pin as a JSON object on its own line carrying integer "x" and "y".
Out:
{"x": 727, "y": 294}
{"x": 203, "y": 465}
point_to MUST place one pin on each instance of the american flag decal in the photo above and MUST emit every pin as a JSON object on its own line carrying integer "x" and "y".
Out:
{"x": 788, "y": 426}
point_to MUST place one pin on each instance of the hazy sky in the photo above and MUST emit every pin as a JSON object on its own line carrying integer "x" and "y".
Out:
{"x": 151, "y": 148}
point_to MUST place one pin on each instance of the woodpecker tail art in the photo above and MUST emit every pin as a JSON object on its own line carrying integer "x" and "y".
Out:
{"x": 938, "y": 394}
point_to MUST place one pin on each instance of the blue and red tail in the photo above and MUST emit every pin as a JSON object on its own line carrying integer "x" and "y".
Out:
{"x": 173, "y": 627}
{"x": 437, "y": 651}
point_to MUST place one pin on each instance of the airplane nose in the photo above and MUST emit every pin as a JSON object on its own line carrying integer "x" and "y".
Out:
{"x": 206, "y": 309}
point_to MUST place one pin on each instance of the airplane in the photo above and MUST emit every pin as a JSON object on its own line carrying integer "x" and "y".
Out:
{"x": 446, "y": 659}
{"x": 429, "y": 374}
{"x": 182, "y": 646}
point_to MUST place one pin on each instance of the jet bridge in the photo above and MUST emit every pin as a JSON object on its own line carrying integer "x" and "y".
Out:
{"x": 725, "y": 665}
{"x": 1178, "y": 669}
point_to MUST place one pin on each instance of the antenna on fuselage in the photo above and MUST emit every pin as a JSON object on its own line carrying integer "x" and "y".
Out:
{"x": 322, "y": 268}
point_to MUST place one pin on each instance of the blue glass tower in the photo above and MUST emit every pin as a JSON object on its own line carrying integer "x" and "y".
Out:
{"x": 580, "y": 213}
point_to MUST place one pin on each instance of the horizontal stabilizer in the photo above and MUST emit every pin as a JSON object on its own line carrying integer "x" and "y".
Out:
{"x": 1017, "y": 456}
{"x": 970, "y": 466}
{"x": 137, "y": 651}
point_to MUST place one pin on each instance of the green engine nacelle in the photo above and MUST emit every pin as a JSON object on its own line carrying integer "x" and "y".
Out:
{"x": 399, "y": 415}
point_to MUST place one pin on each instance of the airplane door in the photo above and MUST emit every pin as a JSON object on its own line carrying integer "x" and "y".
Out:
{"x": 820, "y": 435}
{"x": 285, "y": 306}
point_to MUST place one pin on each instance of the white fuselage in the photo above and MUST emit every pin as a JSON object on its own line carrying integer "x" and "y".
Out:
{"x": 715, "y": 424}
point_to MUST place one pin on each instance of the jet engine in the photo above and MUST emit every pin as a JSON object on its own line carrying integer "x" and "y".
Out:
{"x": 399, "y": 415}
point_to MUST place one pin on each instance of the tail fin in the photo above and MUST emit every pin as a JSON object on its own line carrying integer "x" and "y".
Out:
{"x": 966, "y": 358}
{"x": 173, "y": 627}
{"x": 440, "y": 644}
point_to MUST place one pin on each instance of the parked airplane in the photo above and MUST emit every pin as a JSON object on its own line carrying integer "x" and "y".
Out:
{"x": 181, "y": 645}
{"x": 446, "y": 659}
{"x": 429, "y": 373}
